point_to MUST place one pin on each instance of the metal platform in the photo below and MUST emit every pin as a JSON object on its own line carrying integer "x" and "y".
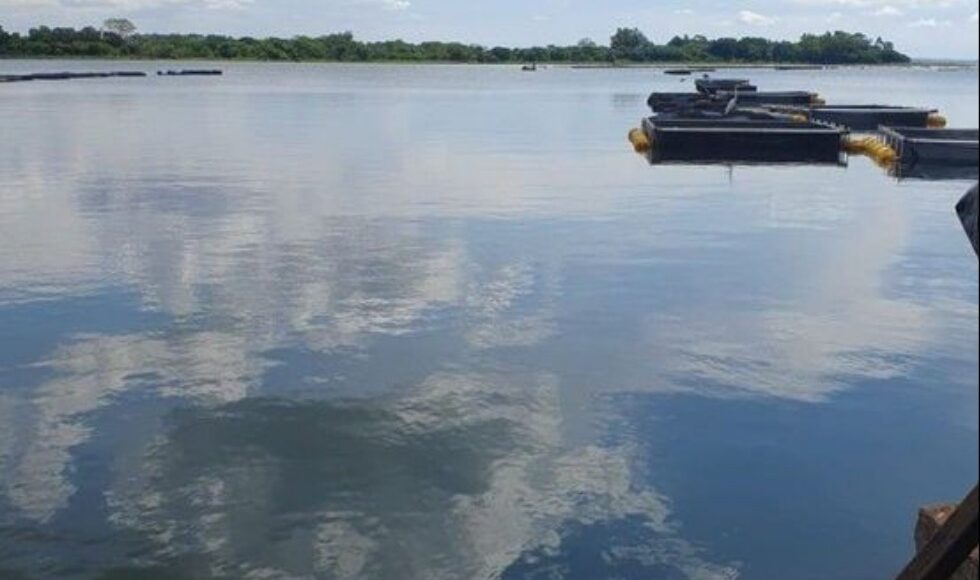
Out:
{"x": 742, "y": 140}
{"x": 800, "y": 98}
{"x": 710, "y": 86}
{"x": 918, "y": 146}
{"x": 668, "y": 102}
{"x": 863, "y": 117}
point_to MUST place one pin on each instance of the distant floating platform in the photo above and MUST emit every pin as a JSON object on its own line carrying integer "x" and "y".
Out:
{"x": 786, "y": 67}
{"x": 190, "y": 73}
{"x": 67, "y": 76}
{"x": 728, "y": 140}
{"x": 688, "y": 71}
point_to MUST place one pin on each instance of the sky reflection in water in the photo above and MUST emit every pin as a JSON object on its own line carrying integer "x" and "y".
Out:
{"x": 348, "y": 322}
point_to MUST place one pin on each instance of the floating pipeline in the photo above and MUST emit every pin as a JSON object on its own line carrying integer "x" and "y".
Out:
{"x": 752, "y": 140}
{"x": 190, "y": 73}
{"x": 67, "y": 76}
{"x": 872, "y": 147}
{"x": 730, "y": 119}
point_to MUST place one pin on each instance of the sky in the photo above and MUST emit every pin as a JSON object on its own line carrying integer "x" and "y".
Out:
{"x": 921, "y": 28}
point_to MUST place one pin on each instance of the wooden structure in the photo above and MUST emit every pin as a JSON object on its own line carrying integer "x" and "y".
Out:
{"x": 945, "y": 555}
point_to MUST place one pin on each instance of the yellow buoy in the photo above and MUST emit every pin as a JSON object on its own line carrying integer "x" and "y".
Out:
{"x": 641, "y": 143}
{"x": 936, "y": 121}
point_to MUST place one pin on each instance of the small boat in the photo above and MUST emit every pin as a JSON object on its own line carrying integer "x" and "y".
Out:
{"x": 678, "y": 71}
{"x": 529, "y": 67}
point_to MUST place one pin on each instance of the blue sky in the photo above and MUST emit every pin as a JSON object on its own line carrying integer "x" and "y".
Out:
{"x": 924, "y": 28}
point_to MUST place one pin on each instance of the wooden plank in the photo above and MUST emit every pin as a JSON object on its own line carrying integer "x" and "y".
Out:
{"x": 949, "y": 548}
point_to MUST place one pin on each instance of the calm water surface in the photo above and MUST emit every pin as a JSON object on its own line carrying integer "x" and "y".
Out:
{"x": 381, "y": 322}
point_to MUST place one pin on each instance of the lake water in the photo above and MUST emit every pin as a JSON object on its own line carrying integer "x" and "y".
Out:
{"x": 319, "y": 321}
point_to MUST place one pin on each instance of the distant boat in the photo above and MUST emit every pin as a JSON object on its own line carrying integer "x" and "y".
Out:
{"x": 530, "y": 67}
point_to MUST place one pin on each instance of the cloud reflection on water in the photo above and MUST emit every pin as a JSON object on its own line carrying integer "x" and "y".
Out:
{"x": 386, "y": 356}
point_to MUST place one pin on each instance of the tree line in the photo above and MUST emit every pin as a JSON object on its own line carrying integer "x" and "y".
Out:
{"x": 117, "y": 38}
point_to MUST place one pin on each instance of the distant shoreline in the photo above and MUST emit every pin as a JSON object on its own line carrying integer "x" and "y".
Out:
{"x": 693, "y": 66}
{"x": 118, "y": 39}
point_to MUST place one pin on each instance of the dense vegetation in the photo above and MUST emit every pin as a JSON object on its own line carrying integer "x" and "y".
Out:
{"x": 117, "y": 39}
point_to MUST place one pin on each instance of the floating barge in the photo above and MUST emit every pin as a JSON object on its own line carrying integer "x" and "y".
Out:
{"x": 915, "y": 145}
{"x": 664, "y": 102}
{"x": 800, "y": 98}
{"x": 710, "y": 86}
{"x": 673, "y": 102}
{"x": 864, "y": 117}
{"x": 742, "y": 139}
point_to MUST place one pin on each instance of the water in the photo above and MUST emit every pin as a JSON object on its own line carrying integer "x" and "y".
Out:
{"x": 439, "y": 322}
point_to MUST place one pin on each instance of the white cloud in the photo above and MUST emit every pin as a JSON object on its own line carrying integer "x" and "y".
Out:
{"x": 975, "y": 17}
{"x": 684, "y": 12}
{"x": 128, "y": 5}
{"x": 755, "y": 19}
{"x": 875, "y": 3}
{"x": 929, "y": 23}
{"x": 888, "y": 10}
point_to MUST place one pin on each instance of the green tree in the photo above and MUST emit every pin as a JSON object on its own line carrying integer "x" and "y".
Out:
{"x": 5, "y": 41}
{"x": 628, "y": 43}
{"x": 121, "y": 26}
{"x": 724, "y": 48}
